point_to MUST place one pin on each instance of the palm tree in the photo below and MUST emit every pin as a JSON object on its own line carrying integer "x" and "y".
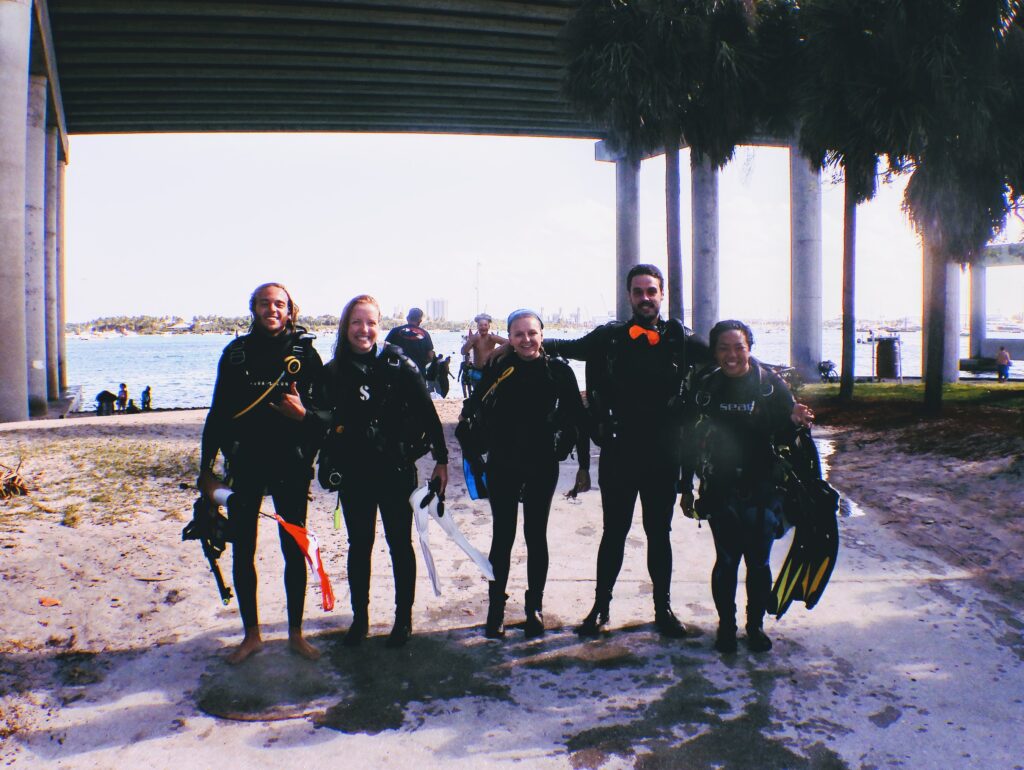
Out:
{"x": 963, "y": 61}
{"x": 653, "y": 72}
{"x": 839, "y": 82}
{"x": 935, "y": 87}
{"x": 607, "y": 73}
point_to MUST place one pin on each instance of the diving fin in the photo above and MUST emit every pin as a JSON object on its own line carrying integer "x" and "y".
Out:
{"x": 812, "y": 557}
{"x": 476, "y": 479}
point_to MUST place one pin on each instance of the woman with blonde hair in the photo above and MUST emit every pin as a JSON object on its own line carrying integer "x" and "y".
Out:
{"x": 381, "y": 420}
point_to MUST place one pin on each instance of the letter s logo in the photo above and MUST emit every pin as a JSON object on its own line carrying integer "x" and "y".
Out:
{"x": 364, "y": 392}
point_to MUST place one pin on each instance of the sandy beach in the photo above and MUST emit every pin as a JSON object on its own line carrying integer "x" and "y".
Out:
{"x": 113, "y": 637}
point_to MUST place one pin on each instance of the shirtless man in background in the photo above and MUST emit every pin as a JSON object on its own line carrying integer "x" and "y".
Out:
{"x": 482, "y": 344}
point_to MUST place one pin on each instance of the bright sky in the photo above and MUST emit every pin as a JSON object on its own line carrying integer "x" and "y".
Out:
{"x": 190, "y": 224}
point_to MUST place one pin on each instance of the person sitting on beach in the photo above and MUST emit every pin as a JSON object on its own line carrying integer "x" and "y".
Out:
{"x": 481, "y": 344}
{"x": 105, "y": 401}
{"x": 744, "y": 409}
{"x": 413, "y": 340}
{"x": 1003, "y": 362}
{"x": 122, "y": 397}
{"x": 262, "y": 420}
{"x": 131, "y": 408}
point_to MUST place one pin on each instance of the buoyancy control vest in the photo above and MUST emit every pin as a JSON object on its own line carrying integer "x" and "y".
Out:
{"x": 374, "y": 414}
{"x": 255, "y": 371}
{"x": 503, "y": 411}
{"x": 740, "y": 423}
{"x": 630, "y": 380}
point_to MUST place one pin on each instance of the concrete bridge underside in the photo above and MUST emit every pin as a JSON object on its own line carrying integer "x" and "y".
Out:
{"x": 423, "y": 66}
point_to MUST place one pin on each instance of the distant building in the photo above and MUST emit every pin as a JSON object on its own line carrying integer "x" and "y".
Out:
{"x": 437, "y": 309}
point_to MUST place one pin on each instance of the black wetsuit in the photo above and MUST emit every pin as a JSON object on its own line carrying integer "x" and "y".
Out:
{"x": 741, "y": 418}
{"x": 415, "y": 342}
{"x": 264, "y": 452}
{"x": 633, "y": 391}
{"x": 379, "y": 411}
{"x": 531, "y": 420}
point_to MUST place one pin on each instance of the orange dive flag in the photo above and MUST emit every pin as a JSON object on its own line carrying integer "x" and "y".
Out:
{"x": 310, "y": 548}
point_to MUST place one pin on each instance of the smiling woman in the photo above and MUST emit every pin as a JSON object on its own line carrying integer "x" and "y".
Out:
{"x": 379, "y": 420}
{"x": 530, "y": 408}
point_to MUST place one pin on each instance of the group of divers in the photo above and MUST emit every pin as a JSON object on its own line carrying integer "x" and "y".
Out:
{"x": 664, "y": 406}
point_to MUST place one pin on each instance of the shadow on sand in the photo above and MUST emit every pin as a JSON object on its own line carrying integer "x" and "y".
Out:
{"x": 630, "y": 694}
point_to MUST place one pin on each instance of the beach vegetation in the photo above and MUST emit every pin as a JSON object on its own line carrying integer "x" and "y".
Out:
{"x": 103, "y": 478}
{"x": 1007, "y": 396}
{"x": 72, "y": 515}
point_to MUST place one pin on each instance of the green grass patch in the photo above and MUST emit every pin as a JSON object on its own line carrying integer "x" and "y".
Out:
{"x": 1008, "y": 395}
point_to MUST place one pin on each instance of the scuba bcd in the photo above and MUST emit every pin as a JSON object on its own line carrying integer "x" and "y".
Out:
{"x": 601, "y": 372}
{"x": 393, "y": 428}
{"x": 295, "y": 356}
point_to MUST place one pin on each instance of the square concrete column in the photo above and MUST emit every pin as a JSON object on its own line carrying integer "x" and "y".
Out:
{"x": 62, "y": 355}
{"x": 35, "y": 198}
{"x": 15, "y": 27}
{"x": 805, "y": 264}
{"x": 674, "y": 273}
{"x": 627, "y": 230}
{"x": 978, "y": 311}
{"x": 704, "y": 255}
{"x": 50, "y": 264}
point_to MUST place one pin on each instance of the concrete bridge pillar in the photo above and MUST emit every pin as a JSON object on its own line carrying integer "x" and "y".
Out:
{"x": 627, "y": 230}
{"x": 62, "y": 356}
{"x": 950, "y": 310}
{"x": 35, "y": 305}
{"x": 805, "y": 264}
{"x": 704, "y": 213}
{"x": 15, "y": 26}
{"x": 978, "y": 311}
{"x": 50, "y": 264}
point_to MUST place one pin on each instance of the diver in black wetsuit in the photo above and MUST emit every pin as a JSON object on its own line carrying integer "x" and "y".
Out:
{"x": 261, "y": 419}
{"x": 744, "y": 409}
{"x": 635, "y": 376}
{"x": 381, "y": 421}
{"x": 532, "y": 414}
{"x": 413, "y": 340}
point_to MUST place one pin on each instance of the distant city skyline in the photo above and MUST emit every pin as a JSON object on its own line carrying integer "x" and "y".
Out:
{"x": 189, "y": 224}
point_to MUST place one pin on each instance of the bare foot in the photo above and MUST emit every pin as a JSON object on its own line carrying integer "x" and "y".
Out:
{"x": 298, "y": 645}
{"x": 251, "y": 644}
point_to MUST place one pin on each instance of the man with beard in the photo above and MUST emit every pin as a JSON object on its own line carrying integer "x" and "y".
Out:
{"x": 635, "y": 392}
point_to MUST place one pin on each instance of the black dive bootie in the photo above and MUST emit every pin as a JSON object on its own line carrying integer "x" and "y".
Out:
{"x": 359, "y": 628}
{"x": 402, "y": 629}
{"x": 495, "y": 628}
{"x": 666, "y": 621}
{"x": 534, "y": 617}
{"x": 757, "y": 639}
{"x": 597, "y": 618}
{"x": 725, "y": 639}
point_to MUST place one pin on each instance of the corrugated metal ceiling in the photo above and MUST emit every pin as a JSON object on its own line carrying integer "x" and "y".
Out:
{"x": 451, "y": 66}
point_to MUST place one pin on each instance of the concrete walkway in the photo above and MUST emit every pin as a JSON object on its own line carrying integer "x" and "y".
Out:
{"x": 905, "y": 663}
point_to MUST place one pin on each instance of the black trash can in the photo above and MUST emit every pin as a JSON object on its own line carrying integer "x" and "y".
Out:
{"x": 887, "y": 358}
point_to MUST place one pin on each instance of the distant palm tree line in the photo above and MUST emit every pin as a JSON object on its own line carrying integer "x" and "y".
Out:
{"x": 216, "y": 324}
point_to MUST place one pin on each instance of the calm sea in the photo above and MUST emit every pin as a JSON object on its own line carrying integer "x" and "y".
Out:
{"x": 181, "y": 369}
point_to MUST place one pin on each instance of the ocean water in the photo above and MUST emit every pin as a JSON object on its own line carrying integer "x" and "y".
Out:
{"x": 181, "y": 369}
